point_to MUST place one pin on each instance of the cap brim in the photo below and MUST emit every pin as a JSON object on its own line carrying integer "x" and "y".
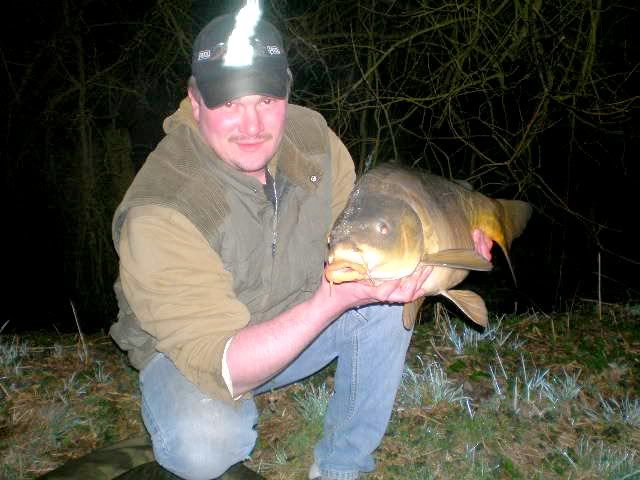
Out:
{"x": 229, "y": 84}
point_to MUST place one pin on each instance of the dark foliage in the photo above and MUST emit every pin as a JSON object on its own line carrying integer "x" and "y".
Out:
{"x": 535, "y": 100}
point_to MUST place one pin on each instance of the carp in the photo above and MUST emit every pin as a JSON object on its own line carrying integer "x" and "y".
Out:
{"x": 397, "y": 219}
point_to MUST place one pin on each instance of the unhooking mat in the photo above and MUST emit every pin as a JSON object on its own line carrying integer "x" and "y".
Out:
{"x": 111, "y": 462}
{"x": 130, "y": 459}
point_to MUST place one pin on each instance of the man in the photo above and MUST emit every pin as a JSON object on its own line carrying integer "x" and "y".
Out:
{"x": 221, "y": 238}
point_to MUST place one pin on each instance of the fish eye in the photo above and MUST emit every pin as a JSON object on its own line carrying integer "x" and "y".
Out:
{"x": 383, "y": 228}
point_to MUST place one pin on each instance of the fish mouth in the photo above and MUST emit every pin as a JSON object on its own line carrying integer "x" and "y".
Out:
{"x": 345, "y": 271}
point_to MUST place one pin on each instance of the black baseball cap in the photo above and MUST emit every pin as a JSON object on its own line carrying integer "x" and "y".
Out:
{"x": 266, "y": 75}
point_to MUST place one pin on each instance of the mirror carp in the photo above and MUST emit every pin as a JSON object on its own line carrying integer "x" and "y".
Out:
{"x": 397, "y": 219}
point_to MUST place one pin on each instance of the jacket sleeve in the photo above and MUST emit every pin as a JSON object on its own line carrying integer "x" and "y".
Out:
{"x": 178, "y": 289}
{"x": 343, "y": 173}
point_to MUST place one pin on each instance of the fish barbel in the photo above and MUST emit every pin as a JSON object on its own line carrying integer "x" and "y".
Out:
{"x": 397, "y": 219}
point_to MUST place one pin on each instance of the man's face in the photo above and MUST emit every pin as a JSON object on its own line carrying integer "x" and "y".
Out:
{"x": 244, "y": 132}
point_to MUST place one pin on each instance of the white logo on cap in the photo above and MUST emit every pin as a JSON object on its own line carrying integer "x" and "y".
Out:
{"x": 273, "y": 49}
{"x": 239, "y": 50}
{"x": 204, "y": 55}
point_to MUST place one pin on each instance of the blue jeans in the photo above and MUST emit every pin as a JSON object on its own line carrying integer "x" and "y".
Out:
{"x": 199, "y": 438}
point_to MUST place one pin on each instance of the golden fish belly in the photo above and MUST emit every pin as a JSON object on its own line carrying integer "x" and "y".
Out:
{"x": 442, "y": 279}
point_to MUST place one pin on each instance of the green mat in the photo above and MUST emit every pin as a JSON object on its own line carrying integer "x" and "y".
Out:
{"x": 107, "y": 463}
{"x": 131, "y": 459}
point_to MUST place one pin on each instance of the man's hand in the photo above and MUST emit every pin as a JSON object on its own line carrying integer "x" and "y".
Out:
{"x": 401, "y": 290}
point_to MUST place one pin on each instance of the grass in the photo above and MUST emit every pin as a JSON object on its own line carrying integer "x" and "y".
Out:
{"x": 535, "y": 396}
{"x": 56, "y": 404}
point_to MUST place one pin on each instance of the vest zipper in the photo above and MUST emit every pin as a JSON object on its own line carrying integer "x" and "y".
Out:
{"x": 274, "y": 239}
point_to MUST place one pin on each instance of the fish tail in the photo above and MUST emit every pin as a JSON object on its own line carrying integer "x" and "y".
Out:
{"x": 515, "y": 218}
{"x": 516, "y": 214}
{"x": 503, "y": 220}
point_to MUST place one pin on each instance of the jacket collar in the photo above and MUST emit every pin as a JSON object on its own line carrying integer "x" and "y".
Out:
{"x": 298, "y": 167}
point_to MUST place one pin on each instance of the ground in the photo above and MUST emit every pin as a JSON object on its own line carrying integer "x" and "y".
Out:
{"x": 535, "y": 396}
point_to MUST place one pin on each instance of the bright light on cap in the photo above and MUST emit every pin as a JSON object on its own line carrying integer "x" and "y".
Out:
{"x": 239, "y": 49}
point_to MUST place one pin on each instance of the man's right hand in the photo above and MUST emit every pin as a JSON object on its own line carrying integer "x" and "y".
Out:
{"x": 364, "y": 292}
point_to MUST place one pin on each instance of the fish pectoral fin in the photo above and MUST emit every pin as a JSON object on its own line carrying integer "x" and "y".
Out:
{"x": 458, "y": 258}
{"x": 470, "y": 303}
{"x": 410, "y": 313}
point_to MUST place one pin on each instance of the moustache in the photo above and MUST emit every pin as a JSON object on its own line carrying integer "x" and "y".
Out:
{"x": 246, "y": 139}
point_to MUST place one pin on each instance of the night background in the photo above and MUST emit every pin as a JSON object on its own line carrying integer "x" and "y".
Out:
{"x": 529, "y": 99}
{"x": 537, "y": 101}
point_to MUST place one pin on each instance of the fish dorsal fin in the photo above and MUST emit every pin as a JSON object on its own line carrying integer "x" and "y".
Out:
{"x": 470, "y": 303}
{"x": 458, "y": 258}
